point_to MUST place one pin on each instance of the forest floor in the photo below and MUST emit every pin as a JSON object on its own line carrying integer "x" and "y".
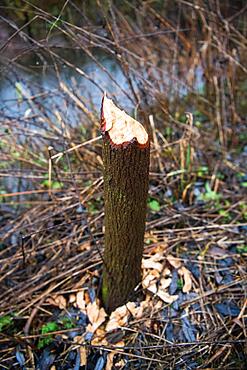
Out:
{"x": 190, "y": 310}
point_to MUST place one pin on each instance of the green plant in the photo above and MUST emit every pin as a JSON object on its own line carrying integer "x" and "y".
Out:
{"x": 51, "y": 326}
{"x": 225, "y": 214}
{"x": 47, "y": 328}
{"x": 94, "y": 205}
{"x": 180, "y": 284}
{"x": 209, "y": 195}
{"x": 202, "y": 171}
{"x": 242, "y": 249}
{"x": 5, "y": 321}
{"x": 67, "y": 323}
{"x": 243, "y": 210}
{"x": 53, "y": 184}
{"x": 19, "y": 91}
{"x": 154, "y": 205}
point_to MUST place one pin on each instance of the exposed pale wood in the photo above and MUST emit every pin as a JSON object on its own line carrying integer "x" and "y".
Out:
{"x": 120, "y": 126}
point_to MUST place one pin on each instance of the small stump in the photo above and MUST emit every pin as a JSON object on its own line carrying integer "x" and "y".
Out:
{"x": 126, "y": 153}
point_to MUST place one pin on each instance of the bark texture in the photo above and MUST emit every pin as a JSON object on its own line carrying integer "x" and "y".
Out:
{"x": 126, "y": 172}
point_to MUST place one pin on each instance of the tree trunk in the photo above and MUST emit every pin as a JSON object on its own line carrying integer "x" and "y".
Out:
{"x": 126, "y": 152}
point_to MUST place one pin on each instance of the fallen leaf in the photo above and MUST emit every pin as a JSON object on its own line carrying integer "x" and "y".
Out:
{"x": 84, "y": 246}
{"x": 217, "y": 251}
{"x": 186, "y": 274}
{"x": 78, "y": 339}
{"x": 166, "y": 297}
{"x": 83, "y": 356}
{"x": 87, "y": 297}
{"x": 20, "y": 358}
{"x": 227, "y": 308}
{"x": 137, "y": 310}
{"x": 100, "y": 363}
{"x": 166, "y": 272}
{"x": 158, "y": 305}
{"x": 118, "y": 318}
{"x": 80, "y": 301}
{"x": 109, "y": 361}
{"x": 60, "y": 301}
{"x": 131, "y": 306}
{"x": 150, "y": 263}
{"x": 120, "y": 364}
{"x": 151, "y": 285}
{"x": 175, "y": 262}
{"x": 99, "y": 338}
{"x": 96, "y": 316}
{"x": 188, "y": 329}
{"x": 149, "y": 279}
{"x": 165, "y": 283}
{"x": 72, "y": 298}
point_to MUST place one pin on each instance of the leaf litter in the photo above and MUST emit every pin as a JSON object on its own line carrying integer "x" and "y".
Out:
{"x": 191, "y": 310}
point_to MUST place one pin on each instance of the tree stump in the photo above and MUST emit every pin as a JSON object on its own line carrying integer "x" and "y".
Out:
{"x": 126, "y": 153}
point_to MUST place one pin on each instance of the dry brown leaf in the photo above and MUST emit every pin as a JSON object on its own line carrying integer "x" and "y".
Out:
{"x": 83, "y": 356}
{"x": 120, "y": 364}
{"x": 137, "y": 311}
{"x": 79, "y": 339}
{"x": 87, "y": 297}
{"x": 109, "y": 361}
{"x": 175, "y": 262}
{"x": 158, "y": 305}
{"x": 99, "y": 338}
{"x": 118, "y": 318}
{"x": 80, "y": 301}
{"x": 72, "y": 298}
{"x": 186, "y": 274}
{"x": 95, "y": 315}
{"x": 166, "y": 272}
{"x": 152, "y": 288}
{"x": 151, "y": 264}
{"x": 85, "y": 246}
{"x": 60, "y": 301}
{"x": 131, "y": 306}
{"x": 149, "y": 280}
{"x": 165, "y": 283}
{"x": 150, "y": 284}
{"x": 166, "y": 297}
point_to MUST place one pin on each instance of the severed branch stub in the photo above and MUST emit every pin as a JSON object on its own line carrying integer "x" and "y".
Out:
{"x": 126, "y": 153}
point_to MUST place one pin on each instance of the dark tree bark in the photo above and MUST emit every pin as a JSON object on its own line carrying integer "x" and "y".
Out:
{"x": 126, "y": 151}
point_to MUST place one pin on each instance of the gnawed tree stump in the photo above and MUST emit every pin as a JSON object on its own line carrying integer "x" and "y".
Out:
{"x": 126, "y": 152}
